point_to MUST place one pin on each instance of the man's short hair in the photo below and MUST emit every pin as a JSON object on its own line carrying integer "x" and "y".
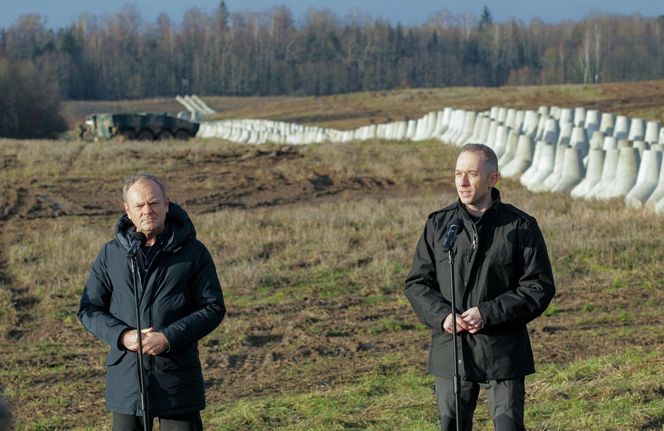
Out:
{"x": 143, "y": 176}
{"x": 490, "y": 158}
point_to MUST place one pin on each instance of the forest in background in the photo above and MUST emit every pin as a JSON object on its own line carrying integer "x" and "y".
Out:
{"x": 120, "y": 56}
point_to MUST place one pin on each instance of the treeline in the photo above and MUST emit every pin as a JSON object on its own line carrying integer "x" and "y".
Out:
{"x": 29, "y": 102}
{"x": 119, "y": 56}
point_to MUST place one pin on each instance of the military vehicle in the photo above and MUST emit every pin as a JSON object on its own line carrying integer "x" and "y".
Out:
{"x": 142, "y": 127}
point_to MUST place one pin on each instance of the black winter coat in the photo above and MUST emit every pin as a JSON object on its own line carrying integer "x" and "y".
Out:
{"x": 181, "y": 298}
{"x": 502, "y": 267}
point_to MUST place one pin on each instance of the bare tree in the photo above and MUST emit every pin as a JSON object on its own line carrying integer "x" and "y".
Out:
{"x": 248, "y": 53}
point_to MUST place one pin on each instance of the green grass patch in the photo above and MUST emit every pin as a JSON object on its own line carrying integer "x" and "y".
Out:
{"x": 374, "y": 401}
{"x": 622, "y": 391}
{"x": 390, "y": 324}
{"x": 322, "y": 284}
{"x": 619, "y": 392}
{"x": 552, "y": 310}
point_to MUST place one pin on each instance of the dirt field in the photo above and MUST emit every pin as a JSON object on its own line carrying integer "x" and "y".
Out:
{"x": 312, "y": 245}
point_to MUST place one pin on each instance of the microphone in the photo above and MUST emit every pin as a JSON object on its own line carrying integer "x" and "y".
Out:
{"x": 454, "y": 228}
{"x": 137, "y": 240}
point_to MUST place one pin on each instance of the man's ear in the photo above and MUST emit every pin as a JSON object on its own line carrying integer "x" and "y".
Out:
{"x": 126, "y": 207}
{"x": 168, "y": 204}
{"x": 495, "y": 176}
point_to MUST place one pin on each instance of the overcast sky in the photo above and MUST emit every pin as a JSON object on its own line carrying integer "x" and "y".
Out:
{"x": 61, "y": 13}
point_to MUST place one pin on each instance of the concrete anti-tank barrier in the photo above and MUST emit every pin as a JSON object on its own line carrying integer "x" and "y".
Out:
{"x": 607, "y": 123}
{"x": 621, "y": 128}
{"x": 467, "y": 130}
{"x": 593, "y": 174}
{"x": 647, "y": 179}
{"x": 545, "y": 166}
{"x": 510, "y": 149}
{"x": 609, "y": 168}
{"x": 522, "y": 159}
{"x": 625, "y": 174}
{"x": 652, "y": 132}
{"x": 500, "y": 141}
{"x": 565, "y": 134}
{"x": 573, "y": 170}
{"x": 581, "y": 151}
{"x": 552, "y": 179}
{"x": 579, "y": 140}
{"x": 592, "y": 122}
{"x": 658, "y": 194}
{"x": 636, "y": 130}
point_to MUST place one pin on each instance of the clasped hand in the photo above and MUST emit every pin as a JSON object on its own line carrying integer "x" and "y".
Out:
{"x": 470, "y": 321}
{"x": 153, "y": 342}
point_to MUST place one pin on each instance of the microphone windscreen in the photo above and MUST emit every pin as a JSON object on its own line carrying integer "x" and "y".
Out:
{"x": 458, "y": 223}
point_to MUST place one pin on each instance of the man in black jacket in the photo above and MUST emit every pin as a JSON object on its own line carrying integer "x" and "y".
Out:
{"x": 180, "y": 302}
{"x": 503, "y": 280}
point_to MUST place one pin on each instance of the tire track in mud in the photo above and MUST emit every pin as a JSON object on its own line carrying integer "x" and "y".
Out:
{"x": 22, "y": 301}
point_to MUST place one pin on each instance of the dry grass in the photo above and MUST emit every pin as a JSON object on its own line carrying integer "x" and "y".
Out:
{"x": 319, "y": 334}
{"x": 348, "y": 111}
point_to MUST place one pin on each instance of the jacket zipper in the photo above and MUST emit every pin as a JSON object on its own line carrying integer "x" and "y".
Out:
{"x": 150, "y": 370}
{"x": 473, "y": 244}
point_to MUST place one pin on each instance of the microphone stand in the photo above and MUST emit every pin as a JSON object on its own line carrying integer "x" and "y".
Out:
{"x": 457, "y": 379}
{"x": 136, "y": 264}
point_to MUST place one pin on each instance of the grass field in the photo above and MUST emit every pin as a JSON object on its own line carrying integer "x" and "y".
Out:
{"x": 347, "y": 111}
{"x": 312, "y": 245}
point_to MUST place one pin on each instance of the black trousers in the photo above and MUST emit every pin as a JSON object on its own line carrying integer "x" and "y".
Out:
{"x": 506, "y": 403}
{"x": 185, "y": 422}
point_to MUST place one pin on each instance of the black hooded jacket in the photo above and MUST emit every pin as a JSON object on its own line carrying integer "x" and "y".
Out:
{"x": 502, "y": 267}
{"x": 181, "y": 298}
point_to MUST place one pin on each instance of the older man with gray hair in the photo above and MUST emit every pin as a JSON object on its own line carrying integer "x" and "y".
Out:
{"x": 179, "y": 303}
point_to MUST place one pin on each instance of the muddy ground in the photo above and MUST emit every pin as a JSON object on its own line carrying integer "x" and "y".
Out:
{"x": 263, "y": 350}
{"x": 273, "y": 340}
{"x": 336, "y": 338}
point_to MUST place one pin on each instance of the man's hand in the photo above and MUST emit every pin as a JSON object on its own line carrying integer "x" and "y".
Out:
{"x": 472, "y": 320}
{"x": 461, "y": 325}
{"x": 154, "y": 342}
{"x": 130, "y": 340}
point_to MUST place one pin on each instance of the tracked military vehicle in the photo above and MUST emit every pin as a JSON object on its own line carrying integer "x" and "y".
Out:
{"x": 142, "y": 127}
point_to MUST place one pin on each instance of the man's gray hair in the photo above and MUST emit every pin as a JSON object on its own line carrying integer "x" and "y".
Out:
{"x": 143, "y": 176}
{"x": 490, "y": 158}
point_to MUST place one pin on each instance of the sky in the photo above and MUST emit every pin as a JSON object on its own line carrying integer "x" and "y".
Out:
{"x": 61, "y": 13}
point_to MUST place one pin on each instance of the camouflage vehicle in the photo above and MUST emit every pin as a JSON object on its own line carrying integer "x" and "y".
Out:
{"x": 142, "y": 127}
